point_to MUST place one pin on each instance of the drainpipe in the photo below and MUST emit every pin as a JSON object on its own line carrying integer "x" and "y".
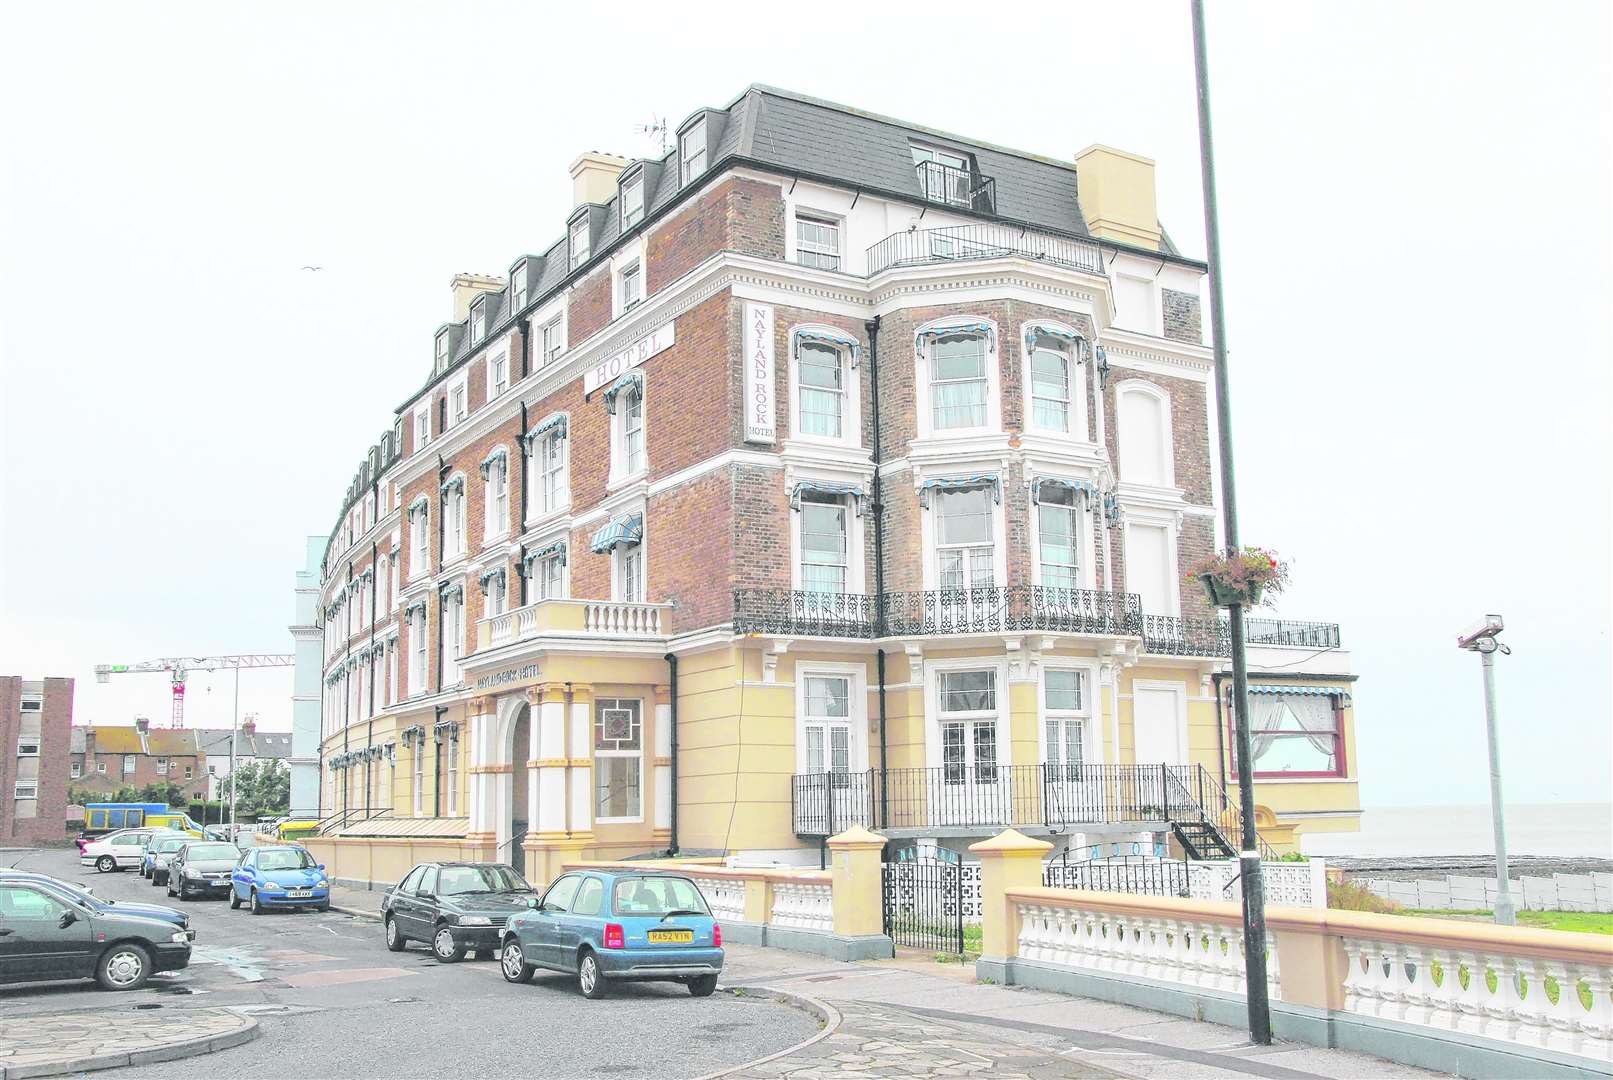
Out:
{"x": 672, "y": 684}
{"x": 877, "y": 507}
{"x": 436, "y": 761}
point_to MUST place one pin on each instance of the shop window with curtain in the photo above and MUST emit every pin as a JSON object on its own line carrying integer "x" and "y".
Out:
{"x": 1294, "y": 732}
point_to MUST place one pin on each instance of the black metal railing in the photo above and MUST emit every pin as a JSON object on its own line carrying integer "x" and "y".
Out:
{"x": 825, "y": 803}
{"x": 1310, "y": 635}
{"x": 1166, "y": 635}
{"x": 987, "y": 610}
{"x": 956, "y": 187}
{"x": 1139, "y": 875}
{"x": 957, "y": 243}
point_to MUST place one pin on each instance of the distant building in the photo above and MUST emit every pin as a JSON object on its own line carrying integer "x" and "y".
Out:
{"x": 35, "y": 718}
{"x": 307, "y": 695}
{"x": 106, "y": 757}
{"x": 250, "y": 745}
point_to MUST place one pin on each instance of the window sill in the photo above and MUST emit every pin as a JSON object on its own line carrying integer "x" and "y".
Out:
{"x": 618, "y": 483}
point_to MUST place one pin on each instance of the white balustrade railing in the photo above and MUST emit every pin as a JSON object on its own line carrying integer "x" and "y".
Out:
{"x": 621, "y": 619}
{"x": 1495, "y": 992}
{"x": 724, "y": 896}
{"x": 1192, "y": 951}
{"x": 602, "y": 617}
{"x": 807, "y": 905}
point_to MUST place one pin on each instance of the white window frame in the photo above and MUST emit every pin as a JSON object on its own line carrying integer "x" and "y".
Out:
{"x": 552, "y": 345}
{"x": 929, "y": 530}
{"x": 924, "y": 349}
{"x": 695, "y": 136}
{"x": 453, "y": 639}
{"x": 578, "y": 254}
{"x": 623, "y": 558}
{"x": 1150, "y": 325}
{"x": 419, "y": 776}
{"x": 519, "y": 287}
{"x": 497, "y": 385}
{"x": 451, "y": 772}
{"x": 422, "y": 428}
{"x": 1076, "y": 408}
{"x": 440, "y": 351}
{"x": 537, "y": 587}
{"x": 631, "y": 214}
{"x": 851, "y": 433}
{"x": 632, "y": 273}
{"x": 496, "y": 490}
{"x": 857, "y": 718}
{"x": 420, "y": 542}
{"x": 454, "y": 540}
{"x": 823, "y": 220}
{"x": 478, "y": 319}
{"x": 25, "y": 790}
{"x": 75, "y": 770}
{"x": 497, "y": 602}
{"x": 1162, "y": 397}
{"x": 855, "y": 551}
{"x": 1140, "y": 517}
{"x": 933, "y": 718}
{"x": 419, "y": 652}
{"x": 23, "y": 745}
{"x": 548, "y": 502}
{"x": 621, "y": 470}
{"x": 459, "y": 408}
{"x": 1085, "y": 557}
{"x": 129, "y": 763}
{"x": 1091, "y": 750}
{"x": 632, "y": 755}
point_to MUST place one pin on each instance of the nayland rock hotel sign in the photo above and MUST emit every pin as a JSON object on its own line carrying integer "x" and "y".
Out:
{"x": 761, "y": 423}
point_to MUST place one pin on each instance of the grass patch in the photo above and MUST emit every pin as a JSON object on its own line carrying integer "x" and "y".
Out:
{"x": 1579, "y": 922}
{"x": 1351, "y": 896}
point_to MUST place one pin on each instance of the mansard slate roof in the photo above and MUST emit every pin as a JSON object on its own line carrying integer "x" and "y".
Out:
{"x": 261, "y": 744}
{"x": 809, "y": 137}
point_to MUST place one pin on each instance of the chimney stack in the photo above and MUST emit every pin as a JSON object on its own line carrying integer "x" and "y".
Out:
{"x": 249, "y": 727}
{"x": 593, "y": 177}
{"x": 1116, "y": 190}
{"x": 467, "y": 287}
{"x": 142, "y": 725}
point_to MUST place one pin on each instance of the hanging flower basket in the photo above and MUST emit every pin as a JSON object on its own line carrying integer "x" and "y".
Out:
{"x": 1243, "y": 578}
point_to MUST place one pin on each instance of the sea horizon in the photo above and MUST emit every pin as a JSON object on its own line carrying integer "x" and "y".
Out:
{"x": 1560, "y": 830}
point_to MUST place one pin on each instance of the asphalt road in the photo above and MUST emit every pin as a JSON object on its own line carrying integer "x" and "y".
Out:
{"x": 333, "y": 1002}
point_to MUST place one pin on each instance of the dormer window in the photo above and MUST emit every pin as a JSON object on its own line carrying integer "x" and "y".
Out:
{"x": 478, "y": 321}
{"x": 692, "y": 151}
{"x": 948, "y": 176}
{"x": 518, "y": 286}
{"x": 442, "y": 349}
{"x": 633, "y": 202}
{"x": 579, "y": 242}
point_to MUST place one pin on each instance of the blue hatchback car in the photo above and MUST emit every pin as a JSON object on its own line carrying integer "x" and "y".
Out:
{"x": 608, "y": 925}
{"x": 278, "y": 876}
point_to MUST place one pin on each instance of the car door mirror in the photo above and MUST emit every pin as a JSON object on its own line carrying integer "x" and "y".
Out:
{"x": 427, "y": 896}
{"x": 321, "y": 866}
{"x": 532, "y": 903}
{"x": 67, "y": 919}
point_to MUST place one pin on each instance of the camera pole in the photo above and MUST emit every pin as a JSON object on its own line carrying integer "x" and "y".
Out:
{"x": 1254, "y": 890}
{"x": 1482, "y": 640}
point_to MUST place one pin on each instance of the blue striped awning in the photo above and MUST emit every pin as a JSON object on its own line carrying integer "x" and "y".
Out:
{"x": 419, "y": 505}
{"x": 497, "y": 454}
{"x": 961, "y": 328}
{"x": 834, "y": 338}
{"x": 634, "y": 379}
{"x": 961, "y": 483}
{"x": 1303, "y": 691}
{"x": 488, "y": 575}
{"x": 1085, "y": 487}
{"x": 450, "y": 590}
{"x": 556, "y": 548}
{"x": 552, "y": 422}
{"x": 826, "y": 487}
{"x": 1035, "y": 329}
{"x": 453, "y": 484}
{"x": 413, "y": 606}
{"x": 627, "y": 529}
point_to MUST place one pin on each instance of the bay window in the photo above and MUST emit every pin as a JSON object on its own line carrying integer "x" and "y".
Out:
{"x": 821, "y": 390}
{"x": 965, "y": 551}
{"x": 824, "y": 545}
{"x": 1058, "y": 537}
{"x": 1294, "y": 730}
{"x": 958, "y": 381}
{"x": 1051, "y": 380}
{"x": 618, "y": 759}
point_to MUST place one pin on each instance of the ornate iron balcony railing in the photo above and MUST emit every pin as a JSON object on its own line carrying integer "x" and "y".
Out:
{"x": 963, "y": 242}
{"x": 956, "y": 187}
{"x": 993, "y": 609}
{"x": 1168, "y": 636}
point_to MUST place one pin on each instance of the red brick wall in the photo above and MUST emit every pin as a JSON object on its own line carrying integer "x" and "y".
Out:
{"x": 48, "y": 825}
{"x": 736, "y": 215}
{"x": 688, "y": 541}
{"x": 588, "y": 307}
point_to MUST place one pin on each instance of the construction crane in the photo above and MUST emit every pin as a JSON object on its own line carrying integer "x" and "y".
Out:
{"x": 178, "y": 667}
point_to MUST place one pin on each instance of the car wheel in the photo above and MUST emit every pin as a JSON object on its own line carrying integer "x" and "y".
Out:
{"x": 123, "y": 967}
{"x": 169, "y": 882}
{"x": 590, "y": 980}
{"x": 322, "y": 907}
{"x": 512, "y": 962}
{"x": 257, "y": 904}
{"x": 445, "y": 948}
{"x": 235, "y": 899}
{"x": 395, "y": 941}
{"x": 154, "y": 881}
{"x": 702, "y": 985}
{"x": 105, "y": 864}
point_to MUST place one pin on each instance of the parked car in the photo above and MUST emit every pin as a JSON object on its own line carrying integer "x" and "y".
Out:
{"x": 201, "y": 866}
{"x": 160, "y": 850}
{"x": 277, "y": 876}
{"x": 115, "y": 851}
{"x": 456, "y": 907}
{"x": 84, "y": 896}
{"x": 45, "y": 937}
{"x": 606, "y": 925}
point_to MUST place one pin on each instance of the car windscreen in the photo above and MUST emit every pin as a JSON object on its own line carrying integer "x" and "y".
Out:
{"x": 462, "y": 880}
{"x": 167, "y": 844}
{"x": 286, "y": 859}
{"x": 211, "y": 852}
{"x": 658, "y": 896}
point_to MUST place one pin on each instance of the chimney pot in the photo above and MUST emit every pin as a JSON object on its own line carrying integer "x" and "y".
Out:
{"x": 1116, "y": 190}
{"x": 593, "y": 177}
{"x": 249, "y": 727}
{"x": 142, "y": 725}
{"x": 467, "y": 287}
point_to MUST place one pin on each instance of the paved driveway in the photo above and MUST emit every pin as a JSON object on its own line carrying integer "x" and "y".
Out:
{"x": 333, "y": 1002}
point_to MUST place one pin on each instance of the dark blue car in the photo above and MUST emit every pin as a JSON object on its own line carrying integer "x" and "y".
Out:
{"x": 608, "y": 925}
{"x": 277, "y": 876}
{"x": 82, "y": 896}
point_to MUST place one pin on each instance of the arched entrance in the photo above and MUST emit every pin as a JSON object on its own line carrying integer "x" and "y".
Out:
{"x": 514, "y": 812}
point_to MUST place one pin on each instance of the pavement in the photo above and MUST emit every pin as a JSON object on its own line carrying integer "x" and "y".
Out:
{"x": 329, "y": 1000}
{"x": 55, "y": 1043}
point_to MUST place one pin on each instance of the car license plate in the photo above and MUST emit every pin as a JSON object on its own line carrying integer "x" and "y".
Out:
{"x": 298, "y": 893}
{"x": 671, "y": 937}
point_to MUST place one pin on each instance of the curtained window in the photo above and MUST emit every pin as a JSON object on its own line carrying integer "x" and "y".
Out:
{"x": 1292, "y": 734}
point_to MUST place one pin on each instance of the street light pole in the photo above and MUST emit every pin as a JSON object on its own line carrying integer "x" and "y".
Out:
{"x": 1481, "y": 639}
{"x": 235, "y": 727}
{"x": 1254, "y": 892}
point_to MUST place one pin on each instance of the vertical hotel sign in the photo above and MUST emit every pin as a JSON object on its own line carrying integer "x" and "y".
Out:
{"x": 761, "y": 424}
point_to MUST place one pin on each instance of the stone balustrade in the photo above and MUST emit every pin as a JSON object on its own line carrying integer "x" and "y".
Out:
{"x": 805, "y": 904}
{"x": 609, "y": 618}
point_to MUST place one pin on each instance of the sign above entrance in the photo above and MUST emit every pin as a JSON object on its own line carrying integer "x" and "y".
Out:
{"x": 658, "y": 340}
{"x": 524, "y": 674}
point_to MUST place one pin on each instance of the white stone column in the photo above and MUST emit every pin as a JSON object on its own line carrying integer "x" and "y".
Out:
{"x": 663, "y": 759}
{"x": 479, "y": 720}
{"x": 548, "y": 765}
{"x": 580, "y": 752}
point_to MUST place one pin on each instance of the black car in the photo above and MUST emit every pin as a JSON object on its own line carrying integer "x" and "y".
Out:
{"x": 202, "y": 867}
{"x": 44, "y": 937}
{"x": 457, "y": 907}
{"x": 83, "y": 896}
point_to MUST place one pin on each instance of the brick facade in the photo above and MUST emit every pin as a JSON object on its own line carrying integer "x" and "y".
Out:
{"x": 41, "y": 820}
{"x": 1181, "y": 316}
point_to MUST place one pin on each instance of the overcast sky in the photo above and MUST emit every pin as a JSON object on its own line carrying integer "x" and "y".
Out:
{"x": 1415, "y": 215}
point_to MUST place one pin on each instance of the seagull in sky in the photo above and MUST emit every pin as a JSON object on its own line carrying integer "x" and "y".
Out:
{"x": 313, "y": 268}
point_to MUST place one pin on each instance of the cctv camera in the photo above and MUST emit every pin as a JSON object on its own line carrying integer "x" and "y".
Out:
{"x": 1480, "y": 633}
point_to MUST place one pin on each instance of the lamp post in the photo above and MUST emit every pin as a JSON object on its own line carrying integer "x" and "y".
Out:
{"x": 1254, "y": 890}
{"x": 1482, "y": 640}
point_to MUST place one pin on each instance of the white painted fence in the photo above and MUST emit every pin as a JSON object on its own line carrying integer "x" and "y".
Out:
{"x": 1560, "y": 892}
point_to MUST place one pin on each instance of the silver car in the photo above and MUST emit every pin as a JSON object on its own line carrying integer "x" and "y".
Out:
{"x": 160, "y": 852}
{"x": 201, "y": 867}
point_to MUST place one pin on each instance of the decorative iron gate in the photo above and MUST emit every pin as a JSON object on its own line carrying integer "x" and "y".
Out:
{"x": 931, "y": 904}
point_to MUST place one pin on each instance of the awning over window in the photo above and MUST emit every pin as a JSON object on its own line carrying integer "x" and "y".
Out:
{"x": 556, "y": 548}
{"x": 419, "y": 506}
{"x": 826, "y": 487}
{"x": 627, "y": 530}
{"x": 960, "y": 328}
{"x": 496, "y": 456}
{"x": 453, "y": 484}
{"x": 961, "y": 483}
{"x": 450, "y": 590}
{"x": 1303, "y": 691}
{"x": 489, "y": 575}
{"x": 635, "y": 379}
{"x": 1035, "y": 330}
{"x": 834, "y": 338}
{"x": 552, "y": 422}
{"x": 413, "y": 606}
{"x": 1085, "y": 487}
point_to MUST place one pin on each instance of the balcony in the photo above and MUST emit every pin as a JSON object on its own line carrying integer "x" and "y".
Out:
{"x": 1167, "y": 636}
{"x": 953, "y": 800}
{"x": 573, "y": 618}
{"x": 959, "y": 243}
{"x": 952, "y": 186}
{"x": 989, "y": 610}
